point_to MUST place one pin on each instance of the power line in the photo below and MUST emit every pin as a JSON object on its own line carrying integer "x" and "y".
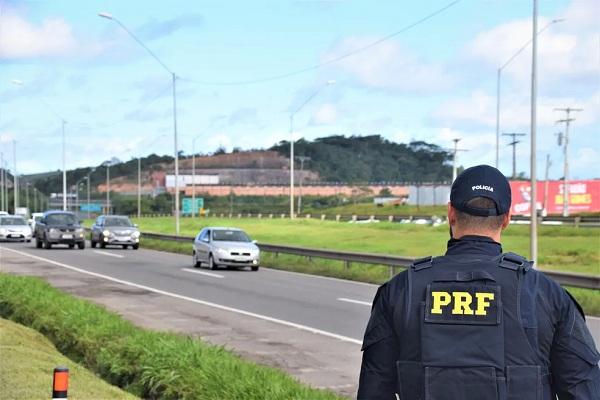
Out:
{"x": 330, "y": 61}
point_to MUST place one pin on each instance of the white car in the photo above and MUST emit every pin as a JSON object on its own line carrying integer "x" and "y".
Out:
{"x": 228, "y": 247}
{"x": 14, "y": 227}
{"x": 35, "y": 217}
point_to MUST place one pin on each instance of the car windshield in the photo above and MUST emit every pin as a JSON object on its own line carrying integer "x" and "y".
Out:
{"x": 12, "y": 221}
{"x": 37, "y": 218}
{"x": 61, "y": 219}
{"x": 117, "y": 221}
{"x": 223, "y": 235}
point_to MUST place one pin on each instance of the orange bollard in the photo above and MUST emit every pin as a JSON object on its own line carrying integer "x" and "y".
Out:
{"x": 60, "y": 383}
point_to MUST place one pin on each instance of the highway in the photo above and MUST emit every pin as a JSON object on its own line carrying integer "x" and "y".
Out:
{"x": 310, "y": 326}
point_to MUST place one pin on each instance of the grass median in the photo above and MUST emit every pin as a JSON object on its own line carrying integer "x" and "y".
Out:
{"x": 28, "y": 359}
{"x": 147, "y": 364}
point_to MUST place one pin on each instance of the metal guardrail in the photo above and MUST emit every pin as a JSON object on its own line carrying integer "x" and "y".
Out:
{"x": 583, "y": 221}
{"x": 393, "y": 262}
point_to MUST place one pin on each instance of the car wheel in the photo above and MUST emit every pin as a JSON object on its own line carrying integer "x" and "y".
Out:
{"x": 124, "y": 247}
{"x": 47, "y": 244}
{"x": 93, "y": 243}
{"x": 255, "y": 268}
{"x": 136, "y": 246}
{"x": 81, "y": 245}
{"x": 211, "y": 262}
{"x": 71, "y": 245}
{"x": 195, "y": 262}
{"x": 38, "y": 243}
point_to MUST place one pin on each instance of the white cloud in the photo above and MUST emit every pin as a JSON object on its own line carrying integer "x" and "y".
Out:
{"x": 389, "y": 66}
{"x": 22, "y": 39}
{"x": 325, "y": 115}
{"x": 568, "y": 51}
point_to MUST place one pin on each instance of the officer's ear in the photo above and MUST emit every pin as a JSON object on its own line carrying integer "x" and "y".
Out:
{"x": 451, "y": 215}
{"x": 506, "y": 220}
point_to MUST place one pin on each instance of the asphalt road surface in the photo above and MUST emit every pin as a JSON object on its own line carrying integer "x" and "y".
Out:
{"x": 309, "y": 326}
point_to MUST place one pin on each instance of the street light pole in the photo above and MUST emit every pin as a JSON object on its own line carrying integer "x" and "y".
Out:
{"x": 498, "y": 83}
{"x": 454, "y": 153}
{"x": 15, "y": 179}
{"x": 64, "y": 155}
{"x": 533, "y": 244}
{"x": 173, "y": 81}
{"x": 108, "y": 187}
{"x": 312, "y": 96}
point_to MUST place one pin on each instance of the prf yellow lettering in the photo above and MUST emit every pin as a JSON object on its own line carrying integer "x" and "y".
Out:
{"x": 440, "y": 299}
{"x": 462, "y": 301}
{"x": 483, "y": 302}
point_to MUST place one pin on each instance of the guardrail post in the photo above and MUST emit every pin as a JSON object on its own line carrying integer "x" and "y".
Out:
{"x": 230, "y": 215}
{"x": 322, "y": 217}
{"x": 372, "y": 218}
{"x": 307, "y": 216}
{"x": 391, "y": 218}
{"x": 282, "y": 216}
{"x": 259, "y": 216}
{"x": 392, "y": 271}
{"x": 337, "y": 218}
{"x": 354, "y": 218}
{"x": 249, "y": 215}
{"x": 577, "y": 221}
{"x": 346, "y": 265}
{"x": 240, "y": 215}
{"x": 270, "y": 216}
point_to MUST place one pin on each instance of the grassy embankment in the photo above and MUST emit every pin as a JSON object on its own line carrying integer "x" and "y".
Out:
{"x": 561, "y": 248}
{"x": 28, "y": 359}
{"x": 147, "y": 364}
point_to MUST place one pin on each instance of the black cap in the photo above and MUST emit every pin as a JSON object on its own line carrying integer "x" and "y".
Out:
{"x": 481, "y": 181}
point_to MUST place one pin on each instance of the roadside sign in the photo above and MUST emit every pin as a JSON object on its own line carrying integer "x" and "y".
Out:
{"x": 91, "y": 207}
{"x": 188, "y": 205}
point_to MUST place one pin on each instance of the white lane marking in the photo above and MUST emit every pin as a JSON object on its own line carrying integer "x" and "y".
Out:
{"x": 203, "y": 273}
{"x": 364, "y": 303}
{"x": 191, "y": 299}
{"x": 106, "y": 253}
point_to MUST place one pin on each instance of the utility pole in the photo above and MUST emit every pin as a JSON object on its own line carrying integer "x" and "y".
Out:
{"x": 567, "y": 120}
{"x": 533, "y": 220}
{"x": 548, "y": 163}
{"x": 514, "y": 151}
{"x": 454, "y": 151}
{"x": 15, "y": 179}
{"x": 108, "y": 187}
{"x": 302, "y": 160}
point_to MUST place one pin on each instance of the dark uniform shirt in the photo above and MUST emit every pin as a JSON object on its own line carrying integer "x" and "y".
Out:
{"x": 561, "y": 338}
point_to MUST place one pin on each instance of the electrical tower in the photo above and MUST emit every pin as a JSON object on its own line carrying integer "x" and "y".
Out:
{"x": 565, "y": 143}
{"x": 514, "y": 151}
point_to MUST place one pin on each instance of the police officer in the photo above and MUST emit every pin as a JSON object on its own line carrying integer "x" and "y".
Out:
{"x": 476, "y": 323}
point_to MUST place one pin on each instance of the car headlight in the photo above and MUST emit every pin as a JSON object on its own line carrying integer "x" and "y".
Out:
{"x": 222, "y": 252}
{"x": 2, "y": 230}
{"x": 135, "y": 234}
{"x": 106, "y": 232}
{"x": 53, "y": 230}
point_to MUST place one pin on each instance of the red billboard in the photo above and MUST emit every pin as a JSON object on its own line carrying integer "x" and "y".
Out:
{"x": 584, "y": 196}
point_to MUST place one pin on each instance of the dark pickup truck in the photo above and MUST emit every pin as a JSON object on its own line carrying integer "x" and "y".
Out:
{"x": 59, "y": 227}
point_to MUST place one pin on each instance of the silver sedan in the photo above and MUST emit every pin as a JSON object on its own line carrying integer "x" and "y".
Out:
{"x": 229, "y": 247}
{"x": 14, "y": 227}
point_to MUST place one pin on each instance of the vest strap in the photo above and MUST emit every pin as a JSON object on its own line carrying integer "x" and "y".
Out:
{"x": 514, "y": 262}
{"x": 422, "y": 263}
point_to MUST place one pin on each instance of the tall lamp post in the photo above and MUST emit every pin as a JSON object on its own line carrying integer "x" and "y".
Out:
{"x": 15, "y": 179}
{"x": 312, "y": 96}
{"x": 173, "y": 80}
{"x": 498, "y": 83}
{"x": 533, "y": 220}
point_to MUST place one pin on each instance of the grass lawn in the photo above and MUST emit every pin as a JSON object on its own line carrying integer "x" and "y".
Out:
{"x": 561, "y": 248}
{"x": 28, "y": 359}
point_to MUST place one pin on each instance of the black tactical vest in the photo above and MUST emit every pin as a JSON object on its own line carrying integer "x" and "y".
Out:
{"x": 466, "y": 320}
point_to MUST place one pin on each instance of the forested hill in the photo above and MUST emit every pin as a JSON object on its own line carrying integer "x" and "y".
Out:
{"x": 372, "y": 159}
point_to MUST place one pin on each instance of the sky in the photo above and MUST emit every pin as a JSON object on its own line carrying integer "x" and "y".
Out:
{"x": 243, "y": 67}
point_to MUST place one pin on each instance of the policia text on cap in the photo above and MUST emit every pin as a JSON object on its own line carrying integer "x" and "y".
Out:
{"x": 477, "y": 323}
